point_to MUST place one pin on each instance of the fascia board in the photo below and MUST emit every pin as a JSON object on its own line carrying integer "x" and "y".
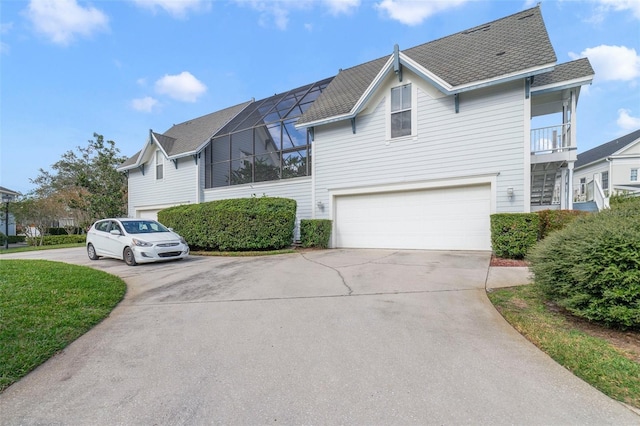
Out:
{"x": 630, "y": 145}
{"x": 593, "y": 163}
{"x": 569, "y": 84}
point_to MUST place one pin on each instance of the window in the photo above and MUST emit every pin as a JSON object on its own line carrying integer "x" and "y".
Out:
{"x": 401, "y": 111}
{"x": 605, "y": 180}
{"x": 634, "y": 175}
{"x": 583, "y": 186}
{"x": 159, "y": 164}
{"x": 262, "y": 144}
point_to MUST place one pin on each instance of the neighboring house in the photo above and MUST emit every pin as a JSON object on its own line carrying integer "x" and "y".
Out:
{"x": 7, "y": 196}
{"x": 413, "y": 150}
{"x": 608, "y": 169}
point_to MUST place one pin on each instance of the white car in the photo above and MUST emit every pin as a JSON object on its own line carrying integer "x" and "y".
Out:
{"x": 134, "y": 241}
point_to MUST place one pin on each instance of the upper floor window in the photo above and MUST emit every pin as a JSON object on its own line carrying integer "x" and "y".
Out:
{"x": 401, "y": 111}
{"x": 159, "y": 165}
{"x": 634, "y": 175}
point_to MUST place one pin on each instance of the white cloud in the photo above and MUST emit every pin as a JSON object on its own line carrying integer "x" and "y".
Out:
{"x": 620, "y": 6}
{"x": 275, "y": 13}
{"x": 146, "y": 104}
{"x": 626, "y": 121}
{"x": 337, "y": 7}
{"x": 182, "y": 87}
{"x": 612, "y": 62}
{"x": 176, "y": 8}
{"x": 62, "y": 20}
{"x": 412, "y": 12}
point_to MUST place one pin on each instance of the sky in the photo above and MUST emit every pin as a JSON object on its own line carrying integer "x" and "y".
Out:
{"x": 72, "y": 68}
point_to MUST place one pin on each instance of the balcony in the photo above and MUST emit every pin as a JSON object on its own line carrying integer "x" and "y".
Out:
{"x": 552, "y": 144}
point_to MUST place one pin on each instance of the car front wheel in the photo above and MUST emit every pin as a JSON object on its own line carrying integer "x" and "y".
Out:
{"x": 91, "y": 252}
{"x": 129, "y": 258}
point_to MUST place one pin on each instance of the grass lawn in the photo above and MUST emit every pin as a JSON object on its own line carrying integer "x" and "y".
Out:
{"x": 605, "y": 365}
{"x": 46, "y": 305}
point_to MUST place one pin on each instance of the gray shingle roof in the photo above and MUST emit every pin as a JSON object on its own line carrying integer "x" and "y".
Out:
{"x": 508, "y": 45}
{"x": 565, "y": 72}
{"x": 189, "y": 136}
{"x": 606, "y": 149}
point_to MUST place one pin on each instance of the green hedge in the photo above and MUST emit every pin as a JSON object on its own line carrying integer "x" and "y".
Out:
{"x": 239, "y": 224}
{"x": 513, "y": 234}
{"x": 13, "y": 239}
{"x": 315, "y": 232}
{"x": 63, "y": 231}
{"x": 54, "y": 240}
{"x": 554, "y": 220}
{"x": 592, "y": 267}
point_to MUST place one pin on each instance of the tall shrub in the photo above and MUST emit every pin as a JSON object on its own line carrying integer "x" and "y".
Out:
{"x": 236, "y": 224}
{"x": 554, "y": 220}
{"x": 592, "y": 267}
{"x": 513, "y": 234}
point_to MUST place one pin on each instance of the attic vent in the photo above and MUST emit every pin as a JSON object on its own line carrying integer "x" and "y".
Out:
{"x": 500, "y": 53}
{"x": 485, "y": 28}
{"x": 525, "y": 17}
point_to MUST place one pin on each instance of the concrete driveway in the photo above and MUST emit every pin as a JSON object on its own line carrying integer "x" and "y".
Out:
{"x": 325, "y": 337}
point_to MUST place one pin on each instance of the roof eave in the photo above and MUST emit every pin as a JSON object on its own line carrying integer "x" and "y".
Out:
{"x": 427, "y": 75}
{"x": 569, "y": 84}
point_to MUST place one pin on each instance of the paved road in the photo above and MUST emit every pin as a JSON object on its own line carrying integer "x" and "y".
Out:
{"x": 326, "y": 337}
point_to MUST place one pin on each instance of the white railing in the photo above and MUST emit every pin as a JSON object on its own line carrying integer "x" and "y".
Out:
{"x": 602, "y": 201}
{"x": 547, "y": 140}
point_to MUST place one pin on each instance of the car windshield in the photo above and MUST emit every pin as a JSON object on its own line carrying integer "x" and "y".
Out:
{"x": 143, "y": 227}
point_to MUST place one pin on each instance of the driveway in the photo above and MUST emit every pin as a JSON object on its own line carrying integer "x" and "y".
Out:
{"x": 324, "y": 337}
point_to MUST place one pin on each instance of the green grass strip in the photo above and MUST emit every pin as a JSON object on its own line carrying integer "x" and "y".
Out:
{"x": 46, "y": 305}
{"x": 592, "y": 359}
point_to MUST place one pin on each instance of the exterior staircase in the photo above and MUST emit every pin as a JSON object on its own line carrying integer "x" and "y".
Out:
{"x": 543, "y": 183}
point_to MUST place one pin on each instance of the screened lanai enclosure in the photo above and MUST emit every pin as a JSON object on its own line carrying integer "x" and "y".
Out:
{"x": 261, "y": 143}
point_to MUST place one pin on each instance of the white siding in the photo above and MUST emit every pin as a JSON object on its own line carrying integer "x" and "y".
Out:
{"x": 298, "y": 189}
{"x": 177, "y": 187}
{"x": 486, "y": 137}
{"x": 588, "y": 172}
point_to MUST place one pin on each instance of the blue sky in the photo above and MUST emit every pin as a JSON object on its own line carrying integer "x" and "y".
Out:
{"x": 69, "y": 68}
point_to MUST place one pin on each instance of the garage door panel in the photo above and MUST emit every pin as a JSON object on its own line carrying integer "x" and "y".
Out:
{"x": 451, "y": 218}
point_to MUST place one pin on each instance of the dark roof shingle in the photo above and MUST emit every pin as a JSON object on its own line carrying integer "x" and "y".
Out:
{"x": 606, "y": 149}
{"x": 515, "y": 43}
{"x": 565, "y": 72}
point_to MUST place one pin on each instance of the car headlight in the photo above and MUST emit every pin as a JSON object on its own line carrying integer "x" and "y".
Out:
{"x": 141, "y": 243}
{"x": 183, "y": 241}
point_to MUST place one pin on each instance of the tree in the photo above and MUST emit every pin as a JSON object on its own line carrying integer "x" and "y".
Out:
{"x": 86, "y": 182}
{"x": 35, "y": 215}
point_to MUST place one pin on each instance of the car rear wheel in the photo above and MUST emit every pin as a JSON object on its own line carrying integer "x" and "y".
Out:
{"x": 129, "y": 258}
{"x": 91, "y": 252}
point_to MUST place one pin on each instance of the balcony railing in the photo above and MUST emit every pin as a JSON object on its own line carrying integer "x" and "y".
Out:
{"x": 547, "y": 140}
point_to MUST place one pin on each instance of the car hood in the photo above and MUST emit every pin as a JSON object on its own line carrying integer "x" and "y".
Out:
{"x": 157, "y": 237}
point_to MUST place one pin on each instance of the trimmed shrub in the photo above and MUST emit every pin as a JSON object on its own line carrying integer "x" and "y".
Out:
{"x": 315, "y": 232}
{"x": 592, "y": 267}
{"x": 3, "y": 239}
{"x": 54, "y": 240}
{"x": 13, "y": 239}
{"x": 238, "y": 224}
{"x": 554, "y": 220}
{"x": 513, "y": 234}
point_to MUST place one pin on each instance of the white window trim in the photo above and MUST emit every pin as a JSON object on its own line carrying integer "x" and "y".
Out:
{"x": 158, "y": 156}
{"x": 631, "y": 175}
{"x": 414, "y": 112}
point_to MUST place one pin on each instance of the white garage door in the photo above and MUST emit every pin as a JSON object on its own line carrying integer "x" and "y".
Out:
{"x": 148, "y": 214}
{"x": 439, "y": 219}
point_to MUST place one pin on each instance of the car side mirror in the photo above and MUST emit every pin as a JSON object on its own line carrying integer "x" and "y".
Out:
{"x": 115, "y": 232}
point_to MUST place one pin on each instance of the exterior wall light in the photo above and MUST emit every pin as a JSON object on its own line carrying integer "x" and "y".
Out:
{"x": 510, "y": 192}
{"x": 320, "y": 205}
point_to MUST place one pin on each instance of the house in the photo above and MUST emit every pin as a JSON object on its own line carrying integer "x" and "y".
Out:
{"x": 608, "y": 169}
{"x": 7, "y": 227}
{"x": 412, "y": 150}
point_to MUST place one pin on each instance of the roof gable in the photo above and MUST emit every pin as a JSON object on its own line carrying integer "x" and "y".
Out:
{"x": 607, "y": 149}
{"x": 512, "y": 47}
{"x": 186, "y": 138}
